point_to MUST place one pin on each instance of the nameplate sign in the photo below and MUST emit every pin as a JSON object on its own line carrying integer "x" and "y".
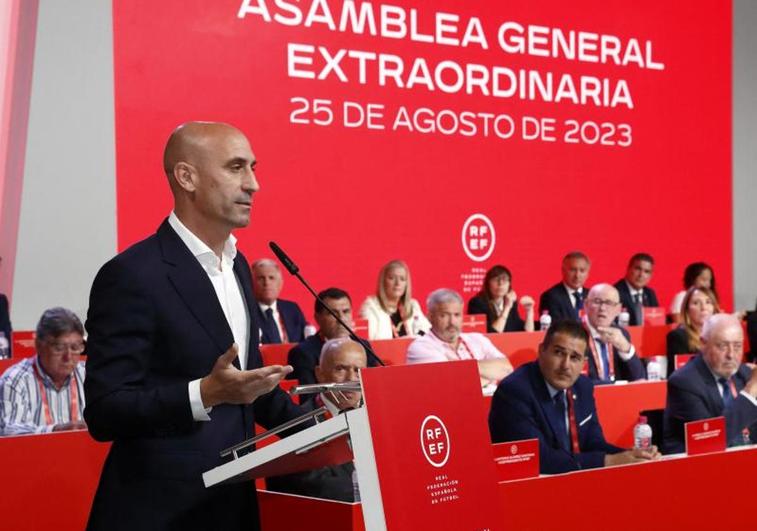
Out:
{"x": 654, "y": 316}
{"x": 474, "y": 323}
{"x": 517, "y": 459}
{"x": 705, "y": 436}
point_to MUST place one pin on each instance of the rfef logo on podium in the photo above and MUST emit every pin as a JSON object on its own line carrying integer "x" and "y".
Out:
{"x": 435, "y": 441}
{"x": 431, "y": 446}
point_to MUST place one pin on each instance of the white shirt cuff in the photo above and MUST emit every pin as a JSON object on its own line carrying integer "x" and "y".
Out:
{"x": 199, "y": 411}
{"x": 749, "y": 397}
{"x": 625, "y": 356}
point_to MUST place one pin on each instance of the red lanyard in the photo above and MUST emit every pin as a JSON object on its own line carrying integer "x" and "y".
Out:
{"x": 282, "y": 328}
{"x": 73, "y": 390}
{"x": 598, "y": 358}
{"x": 462, "y": 342}
{"x": 732, "y": 385}
{"x": 572, "y": 422}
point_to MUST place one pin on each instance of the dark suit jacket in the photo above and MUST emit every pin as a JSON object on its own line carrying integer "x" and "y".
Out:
{"x": 522, "y": 409}
{"x": 677, "y": 342}
{"x": 557, "y": 302}
{"x": 291, "y": 315}
{"x": 305, "y": 357}
{"x": 648, "y": 298}
{"x": 154, "y": 325}
{"x": 5, "y": 322}
{"x": 479, "y": 305}
{"x": 693, "y": 394}
{"x": 630, "y": 370}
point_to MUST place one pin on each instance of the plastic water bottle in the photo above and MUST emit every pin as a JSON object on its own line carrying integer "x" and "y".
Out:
{"x": 309, "y": 330}
{"x": 624, "y": 318}
{"x": 545, "y": 321}
{"x": 654, "y": 370}
{"x": 5, "y": 349}
{"x": 642, "y": 434}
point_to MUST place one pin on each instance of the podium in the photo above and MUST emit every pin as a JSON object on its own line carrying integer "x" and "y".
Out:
{"x": 422, "y": 454}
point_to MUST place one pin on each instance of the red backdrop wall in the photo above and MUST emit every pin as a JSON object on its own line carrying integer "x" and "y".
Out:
{"x": 651, "y": 176}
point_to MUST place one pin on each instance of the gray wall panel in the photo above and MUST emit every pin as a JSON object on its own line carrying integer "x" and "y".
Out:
{"x": 745, "y": 153}
{"x": 67, "y": 226}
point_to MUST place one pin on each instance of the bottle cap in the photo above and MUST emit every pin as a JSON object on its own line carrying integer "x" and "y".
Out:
{"x": 642, "y": 419}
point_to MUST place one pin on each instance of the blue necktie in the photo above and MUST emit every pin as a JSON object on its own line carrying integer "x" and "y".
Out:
{"x": 559, "y": 401}
{"x": 273, "y": 330}
{"x": 727, "y": 397}
{"x": 579, "y": 302}
{"x": 605, "y": 360}
{"x": 638, "y": 310}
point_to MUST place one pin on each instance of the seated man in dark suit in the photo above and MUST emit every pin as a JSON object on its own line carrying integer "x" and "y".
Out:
{"x": 566, "y": 299}
{"x": 634, "y": 293}
{"x": 280, "y": 321}
{"x": 341, "y": 360}
{"x": 551, "y": 400}
{"x": 610, "y": 352}
{"x": 304, "y": 357}
{"x": 715, "y": 383}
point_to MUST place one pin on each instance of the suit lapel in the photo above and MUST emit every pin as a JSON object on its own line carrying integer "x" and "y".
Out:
{"x": 285, "y": 320}
{"x": 194, "y": 287}
{"x": 714, "y": 397}
{"x": 242, "y": 272}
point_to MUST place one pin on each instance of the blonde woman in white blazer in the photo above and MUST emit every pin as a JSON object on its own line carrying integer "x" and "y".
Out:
{"x": 392, "y": 312}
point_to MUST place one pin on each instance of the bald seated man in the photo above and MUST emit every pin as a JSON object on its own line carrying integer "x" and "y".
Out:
{"x": 609, "y": 352}
{"x": 341, "y": 361}
{"x": 715, "y": 383}
{"x": 174, "y": 374}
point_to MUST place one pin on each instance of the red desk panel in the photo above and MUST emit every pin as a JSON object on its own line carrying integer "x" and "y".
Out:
{"x": 49, "y": 480}
{"x": 662, "y": 494}
{"x": 671, "y": 494}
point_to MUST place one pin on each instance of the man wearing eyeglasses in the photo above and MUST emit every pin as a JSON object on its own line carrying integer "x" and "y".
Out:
{"x": 45, "y": 393}
{"x": 611, "y": 356}
{"x": 715, "y": 383}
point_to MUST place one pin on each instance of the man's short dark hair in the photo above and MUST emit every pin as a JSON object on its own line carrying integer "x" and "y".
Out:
{"x": 330, "y": 293}
{"x": 568, "y": 327}
{"x": 56, "y": 322}
{"x": 576, "y": 255}
{"x": 641, "y": 257}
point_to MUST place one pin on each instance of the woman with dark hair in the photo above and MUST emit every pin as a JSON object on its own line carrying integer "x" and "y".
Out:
{"x": 698, "y": 304}
{"x": 499, "y": 302}
{"x": 698, "y": 274}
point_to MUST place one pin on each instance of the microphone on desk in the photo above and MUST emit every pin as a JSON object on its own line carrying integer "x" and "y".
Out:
{"x": 294, "y": 270}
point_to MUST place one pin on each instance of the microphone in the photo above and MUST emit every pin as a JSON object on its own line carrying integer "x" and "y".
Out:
{"x": 294, "y": 270}
{"x": 283, "y": 258}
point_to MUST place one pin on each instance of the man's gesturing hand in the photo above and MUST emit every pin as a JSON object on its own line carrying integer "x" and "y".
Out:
{"x": 228, "y": 385}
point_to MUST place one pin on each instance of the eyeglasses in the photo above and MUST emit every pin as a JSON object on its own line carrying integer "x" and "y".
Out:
{"x": 603, "y": 302}
{"x": 59, "y": 348}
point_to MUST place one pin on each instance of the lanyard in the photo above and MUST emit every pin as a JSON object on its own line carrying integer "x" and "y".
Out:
{"x": 282, "y": 329}
{"x": 732, "y": 387}
{"x": 73, "y": 390}
{"x": 598, "y": 358}
{"x": 572, "y": 421}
